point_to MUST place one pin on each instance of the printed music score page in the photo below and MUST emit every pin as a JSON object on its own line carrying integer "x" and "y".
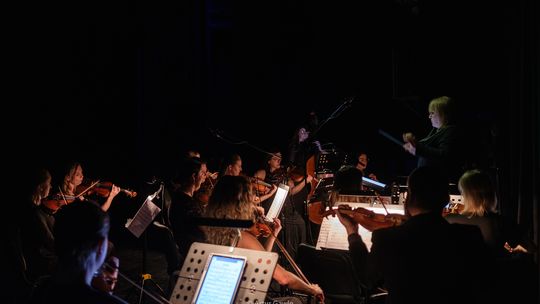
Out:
{"x": 144, "y": 216}
{"x": 334, "y": 236}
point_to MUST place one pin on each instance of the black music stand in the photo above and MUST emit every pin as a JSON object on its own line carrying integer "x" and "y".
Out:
{"x": 138, "y": 227}
{"x": 337, "y": 112}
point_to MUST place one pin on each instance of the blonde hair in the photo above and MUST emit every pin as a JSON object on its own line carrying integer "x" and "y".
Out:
{"x": 230, "y": 199}
{"x": 478, "y": 193}
{"x": 67, "y": 186}
{"x": 444, "y": 107}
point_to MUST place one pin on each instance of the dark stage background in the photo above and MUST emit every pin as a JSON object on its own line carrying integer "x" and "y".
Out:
{"x": 127, "y": 86}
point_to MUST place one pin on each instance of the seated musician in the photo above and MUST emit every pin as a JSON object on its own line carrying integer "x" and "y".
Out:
{"x": 293, "y": 210}
{"x": 71, "y": 186}
{"x": 480, "y": 209}
{"x": 419, "y": 260}
{"x": 231, "y": 199}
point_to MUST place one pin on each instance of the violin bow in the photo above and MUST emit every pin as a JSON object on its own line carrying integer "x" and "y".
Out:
{"x": 291, "y": 261}
{"x": 63, "y": 196}
{"x": 294, "y": 266}
{"x": 382, "y": 203}
{"x": 89, "y": 187}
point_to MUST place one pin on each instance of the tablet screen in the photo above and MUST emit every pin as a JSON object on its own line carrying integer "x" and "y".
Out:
{"x": 220, "y": 280}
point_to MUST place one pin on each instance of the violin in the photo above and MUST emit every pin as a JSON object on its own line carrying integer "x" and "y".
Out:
{"x": 259, "y": 186}
{"x": 453, "y": 208}
{"x": 296, "y": 173}
{"x": 260, "y": 229}
{"x": 53, "y": 203}
{"x": 102, "y": 189}
{"x": 316, "y": 211}
{"x": 369, "y": 219}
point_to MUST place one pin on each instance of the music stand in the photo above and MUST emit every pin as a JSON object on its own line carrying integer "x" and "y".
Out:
{"x": 255, "y": 281}
{"x": 137, "y": 226}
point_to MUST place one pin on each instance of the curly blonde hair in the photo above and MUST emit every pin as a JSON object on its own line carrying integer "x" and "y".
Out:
{"x": 230, "y": 199}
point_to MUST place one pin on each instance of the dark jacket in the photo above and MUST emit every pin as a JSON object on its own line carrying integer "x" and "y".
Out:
{"x": 426, "y": 260}
{"x": 442, "y": 148}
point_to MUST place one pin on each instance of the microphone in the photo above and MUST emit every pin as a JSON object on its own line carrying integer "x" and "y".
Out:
{"x": 216, "y": 133}
{"x": 154, "y": 181}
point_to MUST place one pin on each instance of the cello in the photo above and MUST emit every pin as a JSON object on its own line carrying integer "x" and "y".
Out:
{"x": 262, "y": 229}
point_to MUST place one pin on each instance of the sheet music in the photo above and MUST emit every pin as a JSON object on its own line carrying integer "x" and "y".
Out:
{"x": 277, "y": 203}
{"x": 333, "y": 235}
{"x": 144, "y": 216}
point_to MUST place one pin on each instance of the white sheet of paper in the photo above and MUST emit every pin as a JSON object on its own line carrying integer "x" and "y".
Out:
{"x": 144, "y": 216}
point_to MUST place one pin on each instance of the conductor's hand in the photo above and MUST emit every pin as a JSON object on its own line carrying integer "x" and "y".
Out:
{"x": 410, "y": 148}
{"x": 409, "y": 137}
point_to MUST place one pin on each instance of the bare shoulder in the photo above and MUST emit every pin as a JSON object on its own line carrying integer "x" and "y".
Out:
{"x": 249, "y": 241}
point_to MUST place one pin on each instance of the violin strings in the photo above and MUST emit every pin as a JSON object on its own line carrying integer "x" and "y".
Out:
{"x": 63, "y": 196}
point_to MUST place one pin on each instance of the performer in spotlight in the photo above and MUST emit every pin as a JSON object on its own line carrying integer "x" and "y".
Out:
{"x": 441, "y": 147}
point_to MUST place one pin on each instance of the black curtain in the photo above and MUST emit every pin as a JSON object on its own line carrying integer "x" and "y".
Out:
{"x": 518, "y": 142}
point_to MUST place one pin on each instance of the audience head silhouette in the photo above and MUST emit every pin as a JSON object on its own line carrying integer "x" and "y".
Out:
{"x": 428, "y": 190}
{"x": 81, "y": 234}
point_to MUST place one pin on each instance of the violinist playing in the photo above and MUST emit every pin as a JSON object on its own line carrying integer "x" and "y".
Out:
{"x": 412, "y": 259}
{"x": 72, "y": 188}
{"x": 293, "y": 210}
{"x": 231, "y": 199}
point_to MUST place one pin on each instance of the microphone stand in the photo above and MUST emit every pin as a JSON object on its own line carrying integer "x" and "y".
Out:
{"x": 146, "y": 276}
{"x": 218, "y": 133}
{"x": 337, "y": 112}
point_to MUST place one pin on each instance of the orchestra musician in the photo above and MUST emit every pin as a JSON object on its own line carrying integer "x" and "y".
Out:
{"x": 34, "y": 228}
{"x": 362, "y": 161}
{"x": 480, "y": 209}
{"x": 231, "y": 199}
{"x": 294, "y": 225}
{"x": 71, "y": 188}
{"x": 184, "y": 208}
{"x": 419, "y": 259}
{"x": 231, "y": 165}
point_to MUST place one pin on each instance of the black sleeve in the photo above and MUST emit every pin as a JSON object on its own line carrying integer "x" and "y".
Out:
{"x": 359, "y": 254}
